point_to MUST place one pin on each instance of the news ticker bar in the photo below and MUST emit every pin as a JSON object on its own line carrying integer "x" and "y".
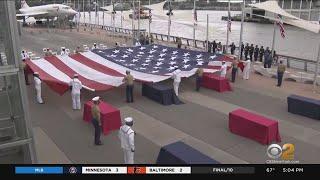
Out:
{"x": 134, "y": 170}
{"x": 256, "y": 169}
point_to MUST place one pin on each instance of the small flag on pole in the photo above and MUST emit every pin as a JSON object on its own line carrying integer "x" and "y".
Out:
{"x": 281, "y": 26}
{"x": 229, "y": 22}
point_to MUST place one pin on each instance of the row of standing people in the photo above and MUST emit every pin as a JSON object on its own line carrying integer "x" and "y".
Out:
{"x": 258, "y": 54}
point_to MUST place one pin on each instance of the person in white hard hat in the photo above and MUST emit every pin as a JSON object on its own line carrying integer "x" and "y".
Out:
{"x": 96, "y": 121}
{"x": 37, "y": 84}
{"x": 176, "y": 80}
{"x": 126, "y": 136}
{"x": 76, "y": 87}
{"x": 223, "y": 69}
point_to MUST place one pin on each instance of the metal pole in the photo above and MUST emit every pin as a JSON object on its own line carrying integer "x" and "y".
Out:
{"x": 90, "y": 20}
{"x": 207, "y": 34}
{"x": 194, "y": 23}
{"x": 84, "y": 15}
{"x": 316, "y": 70}
{"x": 169, "y": 20}
{"x": 310, "y": 8}
{"x": 274, "y": 37}
{"x": 149, "y": 20}
{"x": 300, "y": 8}
{"x": 241, "y": 28}
{"x": 132, "y": 20}
{"x": 121, "y": 13}
{"x": 78, "y": 18}
{"x": 291, "y": 6}
{"x": 227, "y": 44}
{"x": 103, "y": 14}
{"x": 139, "y": 19}
{"x": 282, "y": 5}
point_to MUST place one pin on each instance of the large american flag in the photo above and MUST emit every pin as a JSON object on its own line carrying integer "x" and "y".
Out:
{"x": 281, "y": 26}
{"x": 104, "y": 69}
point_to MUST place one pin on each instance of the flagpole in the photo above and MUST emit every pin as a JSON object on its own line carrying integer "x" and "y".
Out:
{"x": 207, "y": 35}
{"x": 227, "y": 44}
{"x": 78, "y": 18}
{"x": 132, "y": 20}
{"x": 169, "y": 20}
{"x": 316, "y": 71}
{"x": 111, "y": 13}
{"x": 274, "y": 37}
{"x": 150, "y": 19}
{"x": 241, "y": 28}
{"x": 103, "y": 14}
{"x": 90, "y": 21}
{"x": 121, "y": 12}
{"x": 139, "y": 19}
{"x": 84, "y": 15}
{"x": 194, "y": 23}
{"x": 113, "y": 19}
{"x": 97, "y": 13}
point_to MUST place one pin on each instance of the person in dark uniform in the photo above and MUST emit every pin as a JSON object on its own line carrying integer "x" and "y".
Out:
{"x": 241, "y": 50}
{"x": 261, "y": 53}
{"x": 267, "y": 58}
{"x": 96, "y": 121}
{"x": 214, "y": 47}
{"x": 251, "y": 49}
{"x": 179, "y": 42}
{"x": 256, "y": 53}
{"x": 129, "y": 90}
{"x": 232, "y": 48}
{"x": 209, "y": 47}
{"x": 246, "y": 51}
{"x": 199, "y": 74}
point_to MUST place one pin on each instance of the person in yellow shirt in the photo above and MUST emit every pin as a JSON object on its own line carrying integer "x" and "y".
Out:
{"x": 281, "y": 70}
{"x": 129, "y": 89}
{"x": 199, "y": 74}
{"x": 96, "y": 121}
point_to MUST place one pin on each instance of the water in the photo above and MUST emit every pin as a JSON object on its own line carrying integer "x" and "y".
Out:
{"x": 298, "y": 42}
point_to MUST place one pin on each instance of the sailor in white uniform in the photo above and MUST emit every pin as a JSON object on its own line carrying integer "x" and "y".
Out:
{"x": 94, "y": 46}
{"x": 223, "y": 69}
{"x": 63, "y": 51}
{"x": 37, "y": 84}
{"x": 246, "y": 70}
{"x": 176, "y": 80}
{"x": 24, "y": 55}
{"x": 126, "y": 135}
{"x": 76, "y": 87}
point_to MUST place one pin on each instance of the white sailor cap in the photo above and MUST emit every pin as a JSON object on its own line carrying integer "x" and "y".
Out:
{"x": 224, "y": 61}
{"x": 76, "y": 75}
{"x": 44, "y": 49}
{"x": 63, "y": 47}
{"x": 96, "y": 98}
{"x": 128, "y": 119}
{"x": 94, "y": 43}
{"x": 36, "y": 73}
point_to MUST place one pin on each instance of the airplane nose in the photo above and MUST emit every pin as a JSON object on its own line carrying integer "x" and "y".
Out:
{"x": 73, "y": 12}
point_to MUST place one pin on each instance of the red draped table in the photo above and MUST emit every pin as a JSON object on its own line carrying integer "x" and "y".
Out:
{"x": 110, "y": 116}
{"x": 215, "y": 82}
{"x": 254, "y": 126}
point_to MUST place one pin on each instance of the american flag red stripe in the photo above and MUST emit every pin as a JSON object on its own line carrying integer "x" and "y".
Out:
{"x": 281, "y": 26}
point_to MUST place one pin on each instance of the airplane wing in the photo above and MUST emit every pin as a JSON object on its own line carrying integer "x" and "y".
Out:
{"x": 32, "y": 14}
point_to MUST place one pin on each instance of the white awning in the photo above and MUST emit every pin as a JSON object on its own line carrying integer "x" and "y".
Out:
{"x": 273, "y": 7}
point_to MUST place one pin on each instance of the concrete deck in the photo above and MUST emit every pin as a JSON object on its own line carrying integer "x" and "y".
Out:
{"x": 202, "y": 122}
